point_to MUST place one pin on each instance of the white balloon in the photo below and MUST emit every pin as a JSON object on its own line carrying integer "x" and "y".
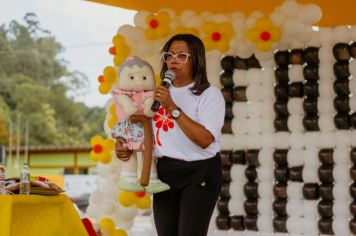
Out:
{"x": 327, "y": 139}
{"x": 295, "y": 73}
{"x": 310, "y": 225}
{"x": 341, "y": 209}
{"x": 310, "y": 174}
{"x": 265, "y": 189}
{"x": 352, "y": 100}
{"x": 325, "y": 90}
{"x": 239, "y": 109}
{"x": 264, "y": 206}
{"x": 343, "y": 139}
{"x": 295, "y": 106}
{"x": 296, "y": 140}
{"x": 341, "y": 34}
{"x": 126, "y": 213}
{"x": 281, "y": 140}
{"x": 311, "y": 139}
{"x": 340, "y": 226}
{"x": 268, "y": 63}
{"x": 311, "y": 158}
{"x": 295, "y": 157}
{"x": 290, "y": 8}
{"x": 236, "y": 190}
{"x": 265, "y": 157}
{"x": 237, "y": 173}
{"x": 310, "y": 209}
{"x": 107, "y": 207}
{"x": 93, "y": 211}
{"x": 295, "y": 190}
{"x": 341, "y": 155}
{"x": 238, "y": 22}
{"x": 236, "y": 206}
{"x": 239, "y": 77}
{"x": 353, "y": 137}
{"x": 264, "y": 223}
{"x": 265, "y": 173}
{"x": 325, "y": 105}
{"x": 295, "y": 224}
{"x": 310, "y": 14}
{"x": 293, "y": 207}
{"x": 341, "y": 173}
{"x": 292, "y": 27}
{"x": 253, "y": 141}
{"x": 341, "y": 191}
{"x": 126, "y": 225}
{"x": 277, "y": 17}
{"x": 295, "y": 124}
{"x": 253, "y": 93}
{"x": 352, "y": 68}
{"x": 264, "y": 56}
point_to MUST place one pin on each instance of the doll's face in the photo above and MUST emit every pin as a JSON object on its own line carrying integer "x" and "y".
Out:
{"x": 137, "y": 78}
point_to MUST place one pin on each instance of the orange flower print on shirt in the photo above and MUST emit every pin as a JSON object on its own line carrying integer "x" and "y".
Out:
{"x": 163, "y": 119}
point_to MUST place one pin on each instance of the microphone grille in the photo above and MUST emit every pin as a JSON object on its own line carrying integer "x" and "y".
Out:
{"x": 169, "y": 74}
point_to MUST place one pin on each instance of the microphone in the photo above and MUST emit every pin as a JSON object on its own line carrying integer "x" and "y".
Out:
{"x": 169, "y": 76}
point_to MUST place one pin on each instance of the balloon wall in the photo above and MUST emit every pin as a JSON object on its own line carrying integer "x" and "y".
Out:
{"x": 289, "y": 138}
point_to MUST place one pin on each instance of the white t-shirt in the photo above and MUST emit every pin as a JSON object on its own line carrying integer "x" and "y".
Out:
{"x": 208, "y": 109}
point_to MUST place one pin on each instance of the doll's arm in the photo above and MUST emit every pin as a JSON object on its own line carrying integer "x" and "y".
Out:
{"x": 147, "y": 104}
{"x": 128, "y": 105}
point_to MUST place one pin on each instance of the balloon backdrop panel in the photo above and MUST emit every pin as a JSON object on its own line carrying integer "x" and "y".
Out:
{"x": 291, "y": 132}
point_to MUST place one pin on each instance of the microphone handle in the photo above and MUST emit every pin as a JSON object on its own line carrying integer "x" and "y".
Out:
{"x": 156, "y": 104}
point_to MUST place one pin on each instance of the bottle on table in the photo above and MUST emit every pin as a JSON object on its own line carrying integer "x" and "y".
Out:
{"x": 2, "y": 180}
{"x": 25, "y": 179}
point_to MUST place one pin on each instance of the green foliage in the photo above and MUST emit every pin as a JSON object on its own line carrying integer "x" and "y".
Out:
{"x": 34, "y": 83}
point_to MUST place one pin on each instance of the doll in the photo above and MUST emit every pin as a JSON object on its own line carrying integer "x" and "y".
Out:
{"x": 133, "y": 97}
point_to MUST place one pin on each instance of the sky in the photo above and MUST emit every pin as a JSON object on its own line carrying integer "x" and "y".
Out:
{"x": 85, "y": 29}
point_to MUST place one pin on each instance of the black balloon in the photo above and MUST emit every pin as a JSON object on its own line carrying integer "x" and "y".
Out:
{"x": 239, "y": 94}
{"x": 228, "y": 63}
{"x": 281, "y": 173}
{"x": 311, "y": 55}
{"x": 326, "y": 156}
{"x": 310, "y": 106}
{"x": 250, "y": 190}
{"x": 280, "y": 190}
{"x": 240, "y": 64}
{"x": 237, "y": 223}
{"x": 296, "y": 56}
{"x": 281, "y": 75}
{"x": 296, "y": 173}
{"x": 342, "y": 52}
{"x": 281, "y": 107}
{"x": 227, "y": 94}
{"x": 342, "y": 121}
{"x": 251, "y": 173}
{"x": 310, "y": 123}
{"x": 310, "y": 72}
{"x": 325, "y": 226}
{"x": 280, "y": 207}
{"x": 311, "y": 191}
{"x": 280, "y": 157}
{"x": 280, "y": 224}
{"x": 252, "y": 157}
{"x": 341, "y": 69}
{"x": 325, "y": 173}
{"x": 281, "y": 123}
{"x": 281, "y": 58}
{"x": 252, "y": 62}
{"x": 325, "y": 208}
{"x": 341, "y": 104}
{"x": 226, "y": 79}
{"x": 311, "y": 89}
{"x": 223, "y": 222}
{"x": 238, "y": 157}
{"x": 296, "y": 89}
{"x": 326, "y": 191}
{"x": 341, "y": 87}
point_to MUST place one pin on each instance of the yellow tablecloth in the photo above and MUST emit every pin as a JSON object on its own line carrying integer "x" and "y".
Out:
{"x": 36, "y": 215}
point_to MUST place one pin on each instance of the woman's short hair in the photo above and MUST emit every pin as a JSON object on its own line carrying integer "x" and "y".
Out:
{"x": 198, "y": 61}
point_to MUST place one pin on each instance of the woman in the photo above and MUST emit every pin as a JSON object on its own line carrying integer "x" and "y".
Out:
{"x": 187, "y": 130}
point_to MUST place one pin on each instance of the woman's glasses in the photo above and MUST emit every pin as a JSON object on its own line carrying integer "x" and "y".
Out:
{"x": 179, "y": 58}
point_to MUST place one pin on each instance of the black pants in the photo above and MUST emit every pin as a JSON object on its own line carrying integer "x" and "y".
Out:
{"x": 186, "y": 209}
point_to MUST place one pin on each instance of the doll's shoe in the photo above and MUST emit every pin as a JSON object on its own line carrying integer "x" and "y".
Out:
{"x": 156, "y": 186}
{"x": 130, "y": 185}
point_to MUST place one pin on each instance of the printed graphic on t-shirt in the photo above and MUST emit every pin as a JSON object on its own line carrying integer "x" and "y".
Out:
{"x": 163, "y": 119}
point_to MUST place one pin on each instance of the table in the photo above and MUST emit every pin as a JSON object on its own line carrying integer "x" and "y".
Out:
{"x": 37, "y": 215}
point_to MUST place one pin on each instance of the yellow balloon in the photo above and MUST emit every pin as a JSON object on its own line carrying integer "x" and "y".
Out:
{"x": 127, "y": 198}
{"x": 95, "y": 140}
{"x": 104, "y": 88}
{"x": 209, "y": 27}
{"x": 264, "y": 46}
{"x": 106, "y": 158}
{"x": 119, "y": 232}
{"x": 110, "y": 74}
{"x": 144, "y": 202}
{"x": 107, "y": 224}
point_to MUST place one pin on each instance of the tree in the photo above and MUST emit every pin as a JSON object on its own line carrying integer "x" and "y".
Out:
{"x": 34, "y": 83}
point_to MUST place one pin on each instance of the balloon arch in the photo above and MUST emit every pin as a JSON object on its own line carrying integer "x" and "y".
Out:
{"x": 289, "y": 138}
